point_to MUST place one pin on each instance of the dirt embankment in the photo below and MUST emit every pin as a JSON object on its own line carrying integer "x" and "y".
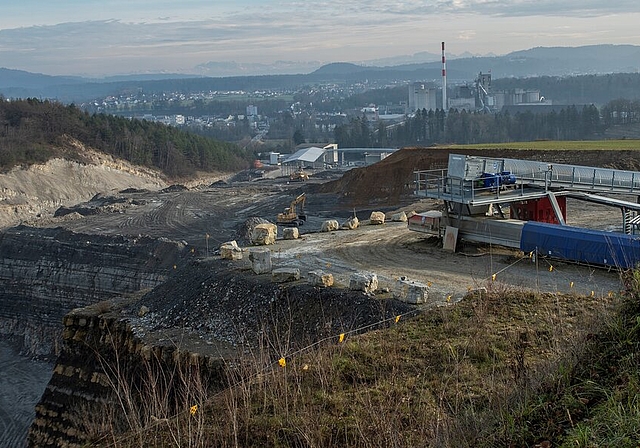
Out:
{"x": 39, "y": 189}
{"x": 390, "y": 182}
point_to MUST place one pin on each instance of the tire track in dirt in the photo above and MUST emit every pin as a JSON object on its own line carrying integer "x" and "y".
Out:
{"x": 392, "y": 251}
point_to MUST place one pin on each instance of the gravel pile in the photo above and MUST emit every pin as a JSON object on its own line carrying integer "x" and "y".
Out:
{"x": 214, "y": 302}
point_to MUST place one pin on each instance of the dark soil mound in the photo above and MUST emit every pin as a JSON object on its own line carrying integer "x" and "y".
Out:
{"x": 214, "y": 300}
{"x": 174, "y": 188}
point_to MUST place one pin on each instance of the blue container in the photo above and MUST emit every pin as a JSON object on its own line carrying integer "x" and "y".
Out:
{"x": 581, "y": 245}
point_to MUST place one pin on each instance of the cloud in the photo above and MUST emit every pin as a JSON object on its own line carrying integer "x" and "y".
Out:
{"x": 177, "y": 36}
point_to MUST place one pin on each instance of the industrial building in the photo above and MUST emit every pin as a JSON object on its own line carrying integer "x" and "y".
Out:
{"x": 522, "y": 204}
{"x": 330, "y": 156}
{"x": 421, "y": 96}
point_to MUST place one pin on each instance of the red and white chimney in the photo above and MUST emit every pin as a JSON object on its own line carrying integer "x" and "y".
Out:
{"x": 444, "y": 81}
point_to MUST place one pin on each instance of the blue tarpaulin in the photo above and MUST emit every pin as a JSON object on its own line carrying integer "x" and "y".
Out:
{"x": 581, "y": 245}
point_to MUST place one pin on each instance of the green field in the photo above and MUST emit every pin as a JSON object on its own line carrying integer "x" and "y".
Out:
{"x": 625, "y": 144}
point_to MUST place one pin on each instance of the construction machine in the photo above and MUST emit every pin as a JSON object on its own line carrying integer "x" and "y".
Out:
{"x": 294, "y": 214}
{"x": 299, "y": 175}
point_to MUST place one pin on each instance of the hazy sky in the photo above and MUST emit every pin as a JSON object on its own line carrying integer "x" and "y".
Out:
{"x": 95, "y": 38}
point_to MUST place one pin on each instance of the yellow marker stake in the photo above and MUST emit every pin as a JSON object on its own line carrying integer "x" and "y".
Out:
{"x": 610, "y": 294}
{"x": 571, "y": 285}
{"x": 493, "y": 277}
{"x": 429, "y": 284}
{"x": 550, "y": 268}
{"x": 397, "y": 319}
{"x": 593, "y": 293}
{"x": 193, "y": 409}
{"x": 305, "y": 367}
{"x": 175, "y": 267}
{"x": 282, "y": 362}
{"x": 341, "y": 339}
{"x": 448, "y": 298}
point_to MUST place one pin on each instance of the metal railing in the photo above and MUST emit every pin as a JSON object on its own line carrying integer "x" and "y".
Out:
{"x": 533, "y": 179}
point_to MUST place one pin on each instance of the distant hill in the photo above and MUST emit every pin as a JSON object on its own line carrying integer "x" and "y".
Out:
{"x": 20, "y": 79}
{"x": 535, "y": 62}
{"x": 340, "y": 68}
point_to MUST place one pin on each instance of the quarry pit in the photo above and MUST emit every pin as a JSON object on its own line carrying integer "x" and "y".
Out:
{"x": 164, "y": 242}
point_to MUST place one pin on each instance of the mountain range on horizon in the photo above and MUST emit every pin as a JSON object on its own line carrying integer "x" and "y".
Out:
{"x": 424, "y": 66}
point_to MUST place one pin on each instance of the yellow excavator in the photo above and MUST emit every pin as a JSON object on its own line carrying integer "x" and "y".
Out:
{"x": 291, "y": 216}
{"x": 299, "y": 175}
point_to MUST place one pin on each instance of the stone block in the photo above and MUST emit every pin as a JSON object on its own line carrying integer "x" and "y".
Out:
{"x": 143, "y": 311}
{"x": 283, "y": 275}
{"x": 351, "y": 223}
{"x": 230, "y": 251}
{"x": 290, "y": 233}
{"x": 410, "y": 291}
{"x": 399, "y": 217}
{"x": 362, "y": 281}
{"x": 329, "y": 225}
{"x": 376, "y": 218}
{"x": 260, "y": 260}
{"x": 264, "y": 234}
{"x": 320, "y": 278}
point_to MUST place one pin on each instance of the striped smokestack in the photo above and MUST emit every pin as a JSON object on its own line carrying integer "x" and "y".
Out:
{"x": 444, "y": 80}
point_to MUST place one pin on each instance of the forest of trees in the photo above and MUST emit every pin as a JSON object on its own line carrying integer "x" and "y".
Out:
{"x": 33, "y": 131}
{"x": 461, "y": 127}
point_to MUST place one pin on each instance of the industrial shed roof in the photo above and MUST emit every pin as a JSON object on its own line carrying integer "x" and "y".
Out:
{"x": 310, "y": 154}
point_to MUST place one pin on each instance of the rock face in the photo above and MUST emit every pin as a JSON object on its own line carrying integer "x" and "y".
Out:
{"x": 264, "y": 234}
{"x": 38, "y": 189}
{"x": 96, "y": 339}
{"x": 376, "y": 218}
{"x": 55, "y": 271}
{"x": 202, "y": 304}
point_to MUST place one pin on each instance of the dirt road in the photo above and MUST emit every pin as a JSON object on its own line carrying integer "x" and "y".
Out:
{"x": 392, "y": 251}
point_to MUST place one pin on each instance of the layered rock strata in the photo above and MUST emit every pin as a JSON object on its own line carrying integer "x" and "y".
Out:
{"x": 45, "y": 273}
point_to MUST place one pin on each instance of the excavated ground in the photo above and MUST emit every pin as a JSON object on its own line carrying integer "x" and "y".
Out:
{"x": 207, "y": 215}
{"x": 215, "y": 307}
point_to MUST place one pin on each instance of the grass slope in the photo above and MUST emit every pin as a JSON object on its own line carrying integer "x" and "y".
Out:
{"x": 501, "y": 368}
